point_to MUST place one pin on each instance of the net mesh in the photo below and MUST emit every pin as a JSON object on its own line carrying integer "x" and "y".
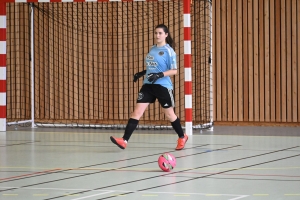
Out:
{"x": 18, "y": 62}
{"x": 85, "y": 55}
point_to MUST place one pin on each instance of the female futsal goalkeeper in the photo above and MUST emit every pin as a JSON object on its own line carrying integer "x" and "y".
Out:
{"x": 160, "y": 65}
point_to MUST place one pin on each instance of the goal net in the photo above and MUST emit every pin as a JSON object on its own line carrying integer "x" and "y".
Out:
{"x": 80, "y": 58}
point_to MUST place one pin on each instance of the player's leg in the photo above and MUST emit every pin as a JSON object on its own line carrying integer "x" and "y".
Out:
{"x": 166, "y": 100}
{"x": 145, "y": 97}
{"x": 175, "y": 122}
{"x": 134, "y": 120}
{"x": 131, "y": 125}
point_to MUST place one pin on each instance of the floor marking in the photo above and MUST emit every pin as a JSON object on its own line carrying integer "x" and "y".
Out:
{"x": 142, "y": 134}
{"x": 143, "y": 169}
{"x": 72, "y": 195}
{"x": 261, "y": 168}
{"x": 8, "y": 167}
{"x": 33, "y": 188}
{"x": 116, "y": 161}
{"x": 59, "y": 189}
{"x": 148, "y": 163}
{"x": 212, "y": 195}
{"x": 213, "y": 164}
{"x": 8, "y": 145}
{"x": 31, "y": 174}
{"x": 240, "y": 197}
{"x": 10, "y": 194}
{"x": 93, "y": 195}
{"x": 236, "y": 196}
{"x": 159, "y": 186}
{"x": 231, "y": 174}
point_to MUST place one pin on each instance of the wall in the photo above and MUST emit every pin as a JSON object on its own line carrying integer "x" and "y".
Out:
{"x": 256, "y": 48}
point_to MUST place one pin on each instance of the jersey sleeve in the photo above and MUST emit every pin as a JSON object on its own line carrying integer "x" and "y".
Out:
{"x": 173, "y": 61}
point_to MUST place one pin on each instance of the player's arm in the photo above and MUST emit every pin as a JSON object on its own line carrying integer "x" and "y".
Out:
{"x": 170, "y": 72}
{"x": 172, "y": 65}
{"x": 153, "y": 77}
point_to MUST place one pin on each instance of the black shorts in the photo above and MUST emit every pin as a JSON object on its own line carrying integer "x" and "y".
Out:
{"x": 150, "y": 92}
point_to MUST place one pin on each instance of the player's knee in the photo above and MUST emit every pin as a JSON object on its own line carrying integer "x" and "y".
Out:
{"x": 136, "y": 115}
{"x": 170, "y": 116}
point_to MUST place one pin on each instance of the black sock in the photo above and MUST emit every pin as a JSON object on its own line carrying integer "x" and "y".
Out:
{"x": 178, "y": 128}
{"x": 130, "y": 127}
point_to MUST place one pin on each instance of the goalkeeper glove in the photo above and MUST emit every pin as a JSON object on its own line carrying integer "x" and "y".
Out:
{"x": 138, "y": 75}
{"x": 153, "y": 77}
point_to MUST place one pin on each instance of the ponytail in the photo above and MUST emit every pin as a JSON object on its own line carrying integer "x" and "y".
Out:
{"x": 169, "y": 39}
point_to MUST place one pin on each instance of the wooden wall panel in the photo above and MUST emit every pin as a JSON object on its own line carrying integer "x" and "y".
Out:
{"x": 294, "y": 68}
{"x": 217, "y": 62}
{"x": 262, "y": 37}
{"x": 245, "y": 65}
{"x": 262, "y": 47}
{"x": 240, "y": 94}
{"x": 298, "y": 55}
{"x": 266, "y": 55}
{"x": 272, "y": 40}
{"x": 233, "y": 60}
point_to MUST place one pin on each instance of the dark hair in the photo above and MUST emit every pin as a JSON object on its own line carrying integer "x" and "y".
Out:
{"x": 169, "y": 39}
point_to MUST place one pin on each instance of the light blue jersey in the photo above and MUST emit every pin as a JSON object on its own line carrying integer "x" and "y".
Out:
{"x": 160, "y": 59}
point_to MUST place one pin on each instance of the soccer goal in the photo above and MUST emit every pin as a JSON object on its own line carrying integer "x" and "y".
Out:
{"x": 71, "y": 64}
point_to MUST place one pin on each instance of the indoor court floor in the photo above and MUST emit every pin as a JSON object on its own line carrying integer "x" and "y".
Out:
{"x": 223, "y": 163}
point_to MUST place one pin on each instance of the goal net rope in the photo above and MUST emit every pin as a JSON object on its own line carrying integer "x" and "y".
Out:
{"x": 85, "y": 56}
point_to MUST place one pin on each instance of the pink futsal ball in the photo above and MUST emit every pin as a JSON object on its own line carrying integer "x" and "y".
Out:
{"x": 166, "y": 162}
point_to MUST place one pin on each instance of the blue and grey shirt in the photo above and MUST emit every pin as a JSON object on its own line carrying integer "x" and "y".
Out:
{"x": 161, "y": 59}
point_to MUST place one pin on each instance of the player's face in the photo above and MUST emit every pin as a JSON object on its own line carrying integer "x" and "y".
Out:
{"x": 160, "y": 36}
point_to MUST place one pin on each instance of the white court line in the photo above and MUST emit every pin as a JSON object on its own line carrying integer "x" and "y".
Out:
{"x": 32, "y": 188}
{"x": 93, "y": 195}
{"x": 235, "y": 196}
{"x": 241, "y": 197}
